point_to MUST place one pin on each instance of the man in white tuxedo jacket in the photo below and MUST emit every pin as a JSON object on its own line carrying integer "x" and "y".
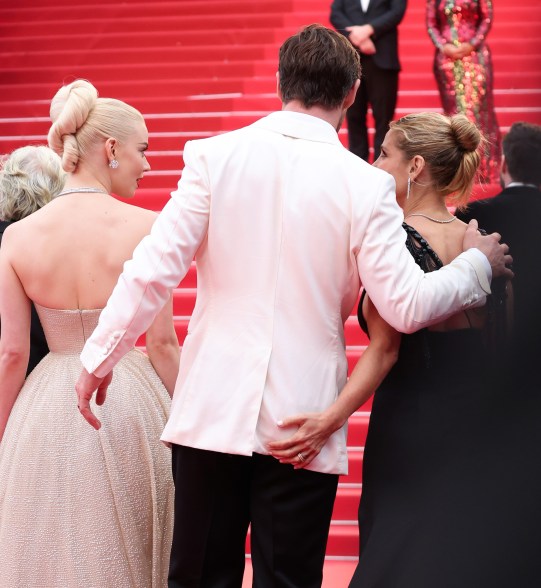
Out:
{"x": 285, "y": 224}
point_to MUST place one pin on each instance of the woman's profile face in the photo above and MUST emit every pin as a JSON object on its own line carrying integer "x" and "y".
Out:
{"x": 132, "y": 162}
{"x": 393, "y": 161}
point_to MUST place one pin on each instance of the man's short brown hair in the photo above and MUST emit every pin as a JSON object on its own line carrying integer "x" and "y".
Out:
{"x": 522, "y": 150}
{"x": 318, "y": 67}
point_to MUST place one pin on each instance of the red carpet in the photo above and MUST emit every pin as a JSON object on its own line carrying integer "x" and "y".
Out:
{"x": 196, "y": 68}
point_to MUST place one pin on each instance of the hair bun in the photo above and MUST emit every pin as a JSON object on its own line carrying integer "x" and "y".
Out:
{"x": 80, "y": 96}
{"x": 69, "y": 111}
{"x": 466, "y": 134}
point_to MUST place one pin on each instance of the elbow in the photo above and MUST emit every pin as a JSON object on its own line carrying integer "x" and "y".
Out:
{"x": 403, "y": 323}
{"x": 387, "y": 351}
{"x": 390, "y": 357}
{"x": 13, "y": 358}
{"x": 409, "y": 327}
{"x": 167, "y": 347}
{"x": 387, "y": 355}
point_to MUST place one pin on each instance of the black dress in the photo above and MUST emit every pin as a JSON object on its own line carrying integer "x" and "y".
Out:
{"x": 429, "y": 496}
{"x": 38, "y": 343}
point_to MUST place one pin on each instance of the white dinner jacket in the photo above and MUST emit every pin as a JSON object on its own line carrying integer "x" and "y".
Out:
{"x": 284, "y": 224}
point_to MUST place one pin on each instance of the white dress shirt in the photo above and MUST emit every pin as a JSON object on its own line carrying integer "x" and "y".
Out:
{"x": 284, "y": 223}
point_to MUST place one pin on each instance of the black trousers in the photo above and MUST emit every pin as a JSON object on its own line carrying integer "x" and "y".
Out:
{"x": 218, "y": 495}
{"x": 379, "y": 89}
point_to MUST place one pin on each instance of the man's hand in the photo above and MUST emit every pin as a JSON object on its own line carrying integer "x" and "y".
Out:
{"x": 85, "y": 387}
{"x": 367, "y": 47}
{"x": 359, "y": 33}
{"x": 497, "y": 253}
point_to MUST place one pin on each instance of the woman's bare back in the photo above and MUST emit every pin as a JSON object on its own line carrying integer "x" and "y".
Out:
{"x": 447, "y": 241}
{"x": 71, "y": 252}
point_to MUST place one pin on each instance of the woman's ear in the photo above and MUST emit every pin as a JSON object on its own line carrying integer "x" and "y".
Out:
{"x": 416, "y": 167}
{"x": 110, "y": 147}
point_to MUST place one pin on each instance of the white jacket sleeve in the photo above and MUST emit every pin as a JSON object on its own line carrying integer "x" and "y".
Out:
{"x": 158, "y": 264}
{"x": 406, "y": 297}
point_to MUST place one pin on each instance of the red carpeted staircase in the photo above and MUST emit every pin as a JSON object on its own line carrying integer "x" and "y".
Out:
{"x": 200, "y": 67}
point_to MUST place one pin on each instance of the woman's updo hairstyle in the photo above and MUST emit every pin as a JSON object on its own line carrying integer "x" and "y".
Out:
{"x": 450, "y": 147}
{"x": 81, "y": 119}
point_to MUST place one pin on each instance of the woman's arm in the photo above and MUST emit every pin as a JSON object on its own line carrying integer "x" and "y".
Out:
{"x": 432, "y": 25}
{"x": 15, "y": 336}
{"x": 163, "y": 348}
{"x": 485, "y": 24}
{"x": 314, "y": 429}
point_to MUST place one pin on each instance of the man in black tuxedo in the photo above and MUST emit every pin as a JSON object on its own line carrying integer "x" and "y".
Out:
{"x": 372, "y": 27}
{"x": 515, "y": 213}
{"x": 513, "y": 385}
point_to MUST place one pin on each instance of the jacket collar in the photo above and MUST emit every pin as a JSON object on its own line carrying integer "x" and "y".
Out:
{"x": 521, "y": 185}
{"x": 299, "y": 126}
{"x": 520, "y": 188}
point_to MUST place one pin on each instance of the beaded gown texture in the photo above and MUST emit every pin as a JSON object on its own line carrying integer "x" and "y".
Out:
{"x": 466, "y": 85}
{"x": 429, "y": 510}
{"x": 81, "y": 508}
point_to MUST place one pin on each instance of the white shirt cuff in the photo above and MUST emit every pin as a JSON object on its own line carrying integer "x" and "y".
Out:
{"x": 484, "y": 260}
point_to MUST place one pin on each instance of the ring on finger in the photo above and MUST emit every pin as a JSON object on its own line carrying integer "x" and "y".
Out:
{"x": 301, "y": 457}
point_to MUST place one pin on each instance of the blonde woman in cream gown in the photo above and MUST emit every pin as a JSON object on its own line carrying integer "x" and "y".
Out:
{"x": 66, "y": 258}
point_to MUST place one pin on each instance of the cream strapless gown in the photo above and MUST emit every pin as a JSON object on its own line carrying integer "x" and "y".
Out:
{"x": 81, "y": 508}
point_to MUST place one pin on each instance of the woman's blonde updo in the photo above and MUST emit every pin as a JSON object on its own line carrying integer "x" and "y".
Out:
{"x": 450, "y": 147}
{"x": 30, "y": 177}
{"x": 81, "y": 119}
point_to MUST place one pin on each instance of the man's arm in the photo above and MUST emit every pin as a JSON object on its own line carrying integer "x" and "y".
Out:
{"x": 391, "y": 19}
{"x": 376, "y": 27}
{"x": 406, "y": 297}
{"x": 340, "y": 17}
{"x": 159, "y": 263}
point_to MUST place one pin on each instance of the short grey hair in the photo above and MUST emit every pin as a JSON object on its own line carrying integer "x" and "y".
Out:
{"x": 29, "y": 178}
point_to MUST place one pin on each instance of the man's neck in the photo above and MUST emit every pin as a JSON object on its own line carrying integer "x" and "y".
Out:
{"x": 333, "y": 117}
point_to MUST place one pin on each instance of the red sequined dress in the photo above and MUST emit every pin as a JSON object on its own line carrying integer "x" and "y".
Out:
{"x": 466, "y": 84}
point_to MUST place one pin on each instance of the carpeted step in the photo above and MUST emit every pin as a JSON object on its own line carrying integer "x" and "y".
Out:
{"x": 408, "y": 101}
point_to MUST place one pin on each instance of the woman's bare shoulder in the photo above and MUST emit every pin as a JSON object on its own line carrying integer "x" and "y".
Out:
{"x": 445, "y": 239}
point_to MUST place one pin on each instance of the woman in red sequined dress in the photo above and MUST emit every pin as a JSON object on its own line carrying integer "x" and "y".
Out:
{"x": 463, "y": 69}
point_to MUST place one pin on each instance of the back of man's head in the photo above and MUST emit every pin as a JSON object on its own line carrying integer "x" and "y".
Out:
{"x": 317, "y": 67}
{"x": 522, "y": 151}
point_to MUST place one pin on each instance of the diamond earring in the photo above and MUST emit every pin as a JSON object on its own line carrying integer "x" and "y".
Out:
{"x": 113, "y": 164}
{"x": 407, "y": 193}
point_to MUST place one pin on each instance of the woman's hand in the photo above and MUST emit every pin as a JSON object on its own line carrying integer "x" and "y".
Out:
{"x": 455, "y": 52}
{"x": 314, "y": 429}
{"x": 451, "y": 51}
{"x": 464, "y": 49}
